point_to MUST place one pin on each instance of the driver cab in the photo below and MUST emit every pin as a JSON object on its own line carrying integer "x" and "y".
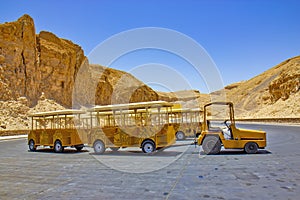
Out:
{"x": 219, "y": 126}
{"x": 219, "y": 130}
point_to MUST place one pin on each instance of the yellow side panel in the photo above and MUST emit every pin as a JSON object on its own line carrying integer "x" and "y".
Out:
{"x": 35, "y": 136}
{"x": 166, "y": 137}
{"x": 234, "y": 144}
{"x": 132, "y": 136}
{"x": 240, "y": 144}
{"x": 83, "y": 135}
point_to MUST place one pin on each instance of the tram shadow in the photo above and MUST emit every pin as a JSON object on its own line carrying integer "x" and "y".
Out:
{"x": 136, "y": 153}
{"x": 166, "y": 152}
{"x": 66, "y": 151}
{"x": 237, "y": 152}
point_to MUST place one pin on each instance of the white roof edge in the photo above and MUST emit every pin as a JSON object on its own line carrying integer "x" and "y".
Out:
{"x": 131, "y": 106}
{"x": 57, "y": 112}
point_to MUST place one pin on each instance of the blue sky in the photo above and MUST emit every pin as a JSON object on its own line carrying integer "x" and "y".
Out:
{"x": 243, "y": 38}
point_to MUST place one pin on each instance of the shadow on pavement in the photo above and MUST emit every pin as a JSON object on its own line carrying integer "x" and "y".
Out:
{"x": 66, "y": 151}
{"x": 140, "y": 153}
{"x": 238, "y": 152}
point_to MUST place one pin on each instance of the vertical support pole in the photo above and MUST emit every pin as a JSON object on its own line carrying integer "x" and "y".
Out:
{"x": 52, "y": 123}
{"x": 32, "y": 123}
{"x": 91, "y": 119}
{"x": 79, "y": 122}
{"x": 113, "y": 118}
{"x": 135, "y": 117}
{"x": 146, "y": 117}
{"x": 167, "y": 113}
{"x": 65, "y": 121}
{"x": 159, "y": 117}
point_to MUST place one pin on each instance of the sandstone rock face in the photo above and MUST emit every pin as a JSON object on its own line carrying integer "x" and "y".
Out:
{"x": 14, "y": 113}
{"x": 33, "y": 64}
{"x": 287, "y": 82}
{"x": 100, "y": 85}
{"x": 124, "y": 88}
{"x": 274, "y": 93}
{"x": 59, "y": 61}
{"x": 18, "y": 59}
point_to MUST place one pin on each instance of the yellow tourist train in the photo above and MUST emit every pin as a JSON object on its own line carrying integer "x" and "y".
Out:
{"x": 56, "y": 129}
{"x": 113, "y": 126}
{"x": 186, "y": 121}
{"x": 147, "y": 125}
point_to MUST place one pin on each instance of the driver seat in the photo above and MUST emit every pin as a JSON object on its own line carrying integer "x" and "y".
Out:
{"x": 228, "y": 133}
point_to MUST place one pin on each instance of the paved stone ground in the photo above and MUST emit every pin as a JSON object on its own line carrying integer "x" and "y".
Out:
{"x": 273, "y": 173}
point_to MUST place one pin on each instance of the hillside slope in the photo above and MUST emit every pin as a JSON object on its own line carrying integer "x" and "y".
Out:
{"x": 274, "y": 93}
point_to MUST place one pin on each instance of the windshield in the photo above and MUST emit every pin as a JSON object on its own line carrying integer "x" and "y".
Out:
{"x": 216, "y": 115}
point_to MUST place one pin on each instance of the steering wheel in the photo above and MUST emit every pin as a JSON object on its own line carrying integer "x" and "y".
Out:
{"x": 227, "y": 125}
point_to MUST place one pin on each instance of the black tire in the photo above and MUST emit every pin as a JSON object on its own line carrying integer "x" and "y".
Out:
{"x": 180, "y": 135}
{"x": 79, "y": 147}
{"x": 99, "y": 147}
{"x": 211, "y": 145}
{"x": 58, "y": 148}
{"x": 31, "y": 145}
{"x": 148, "y": 146}
{"x": 114, "y": 149}
{"x": 251, "y": 148}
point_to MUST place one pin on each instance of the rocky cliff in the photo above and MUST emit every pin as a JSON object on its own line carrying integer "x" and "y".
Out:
{"x": 58, "y": 63}
{"x": 18, "y": 59}
{"x": 287, "y": 82}
{"x": 100, "y": 85}
{"x": 274, "y": 93}
{"x": 33, "y": 63}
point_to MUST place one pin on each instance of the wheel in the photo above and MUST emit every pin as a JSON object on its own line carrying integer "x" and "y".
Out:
{"x": 32, "y": 145}
{"x": 114, "y": 149}
{"x": 99, "y": 147}
{"x": 58, "y": 148}
{"x": 79, "y": 147}
{"x": 180, "y": 135}
{"x": 148, "y": 146}
{"x": 251, "y": 147}
{"x": 211, "y": 145}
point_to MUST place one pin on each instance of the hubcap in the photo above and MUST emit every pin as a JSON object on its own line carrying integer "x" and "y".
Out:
{"x": 98, "y": 147}
{"x": 180, "y": 136}
{"x": 148, "y": 148}
{"x": 58, "y": 147}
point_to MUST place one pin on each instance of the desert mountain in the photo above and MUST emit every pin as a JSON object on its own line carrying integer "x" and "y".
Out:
{"x": 109, "y": 86}
{"x": 32, "y": 64}
{"x": 274, "y": 93}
